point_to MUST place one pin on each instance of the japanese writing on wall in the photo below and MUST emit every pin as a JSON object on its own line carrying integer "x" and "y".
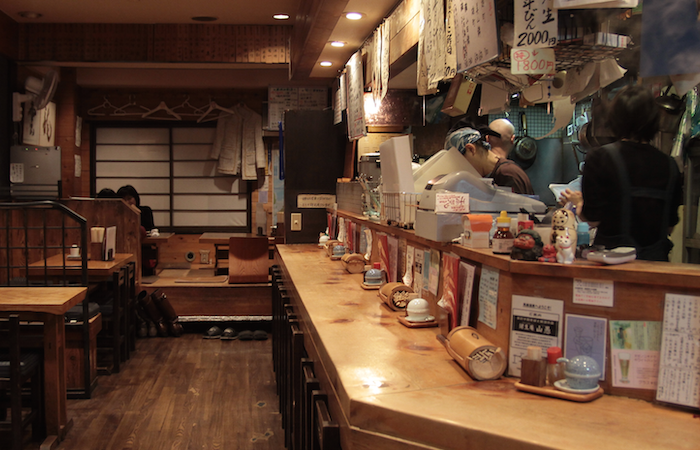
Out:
{"x": 535, "y": 24}
{"x": 475, "y": 32}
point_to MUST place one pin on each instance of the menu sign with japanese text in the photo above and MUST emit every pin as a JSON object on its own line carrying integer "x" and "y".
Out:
{"x": 536, "y": 24}
{"x": 355, "y": 99}
{"x": 532, "y": 60}
{"x": 475, "y": 32}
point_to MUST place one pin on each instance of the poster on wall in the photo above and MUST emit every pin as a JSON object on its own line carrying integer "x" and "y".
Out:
{"x": 634, "y": 353}
{"x": 39, "y": 125}
{"x": 475, "y": 32}
{"x": 355, "y": 98}
{"x": 535, "y": 321}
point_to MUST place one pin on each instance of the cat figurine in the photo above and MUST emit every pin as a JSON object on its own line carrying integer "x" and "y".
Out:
{"x": 562, "y": 220}
{"x": 566, "y": 248}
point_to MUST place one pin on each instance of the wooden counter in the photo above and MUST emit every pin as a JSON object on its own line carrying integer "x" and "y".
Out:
{"x": 392, "y": 387}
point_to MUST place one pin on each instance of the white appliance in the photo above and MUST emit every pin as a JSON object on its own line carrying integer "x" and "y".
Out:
{"x": 483, "y": 198}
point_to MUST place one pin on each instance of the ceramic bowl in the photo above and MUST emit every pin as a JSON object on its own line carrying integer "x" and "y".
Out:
{"x": 582, "y": 372}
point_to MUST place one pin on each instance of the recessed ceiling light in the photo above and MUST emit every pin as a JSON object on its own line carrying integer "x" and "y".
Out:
{"x": 354, "y": 15}
{"x": 29, "y": 14}
{"x": 205, "y": 19}
{"x": 281, "y": 16}
{"x": 337, "y": 44}
{"x": 326, "y": 63}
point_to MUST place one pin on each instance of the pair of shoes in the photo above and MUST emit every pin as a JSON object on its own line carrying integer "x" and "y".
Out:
{"x": 229, "y": 334}
{"x": 247, "y": 335}
{"x": 213, "y": 333}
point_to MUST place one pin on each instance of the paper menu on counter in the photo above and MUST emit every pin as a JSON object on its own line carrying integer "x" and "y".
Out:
{"x": 535, "y": 321}
{"x": 679, "y": 366}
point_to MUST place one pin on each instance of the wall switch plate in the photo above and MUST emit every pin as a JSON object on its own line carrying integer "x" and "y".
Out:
{"x": 296, "y": 222}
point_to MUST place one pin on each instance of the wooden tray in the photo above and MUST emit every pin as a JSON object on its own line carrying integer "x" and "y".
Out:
{"x": 404, "y": 322}
{"x": 550, "y": 391}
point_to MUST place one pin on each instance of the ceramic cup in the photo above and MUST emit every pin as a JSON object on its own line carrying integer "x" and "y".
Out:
{"x": 75, "y": 251}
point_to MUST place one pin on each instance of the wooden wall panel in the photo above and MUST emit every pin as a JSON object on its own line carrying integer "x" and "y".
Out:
{"x": 8, "y": 36}
{"x": 150, "y": 43}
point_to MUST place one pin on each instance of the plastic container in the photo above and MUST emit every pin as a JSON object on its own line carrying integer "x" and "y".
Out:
{"x": 555, "y": 370}
{"x": 502, "y": 242}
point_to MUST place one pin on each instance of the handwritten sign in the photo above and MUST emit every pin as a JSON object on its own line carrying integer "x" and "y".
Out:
{"x": 315, "y": 200}
{"x": 355, "y": 99}
{"x": 594, "y": 292}
{"x": 536, "y": 24}
{"x": 532, "y": 60}
{"x": 475, "y": 32}
{"x": 452, "y": 202}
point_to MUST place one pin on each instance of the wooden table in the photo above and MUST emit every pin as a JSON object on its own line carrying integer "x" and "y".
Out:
{"x": 97, "y": 270}
{"x": 51, "y": 303}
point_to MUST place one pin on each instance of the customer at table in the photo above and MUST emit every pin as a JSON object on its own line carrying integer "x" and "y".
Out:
{"x": 129, "y": 194}
{"x": 631, "y": 190}
{"x": 471, "y": 141}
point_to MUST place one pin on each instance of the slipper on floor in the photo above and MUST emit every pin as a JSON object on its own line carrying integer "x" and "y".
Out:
{"x": 229, "y": 334}
{"x": 259, "y": 335}
{"x": 245, "y": 335}
{"x": 213, "y": 333}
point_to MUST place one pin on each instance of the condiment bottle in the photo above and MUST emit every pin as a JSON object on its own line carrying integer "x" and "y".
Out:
{"x": 555, "y": 370}
{"x": 502, "y": 239}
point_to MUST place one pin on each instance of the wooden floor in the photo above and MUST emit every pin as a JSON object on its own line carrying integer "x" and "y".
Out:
{"x": 182, "y": 393}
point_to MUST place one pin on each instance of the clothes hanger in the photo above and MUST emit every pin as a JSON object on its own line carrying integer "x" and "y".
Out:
{"x": 121, "y": 111}
{"x": 196, "y": 112}
{"x": 163, "y": 107}
{"x": 105, "y": 105}
{"x": 213, "y": 106}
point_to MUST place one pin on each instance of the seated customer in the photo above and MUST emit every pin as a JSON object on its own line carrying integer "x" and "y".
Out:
{"x": 129, "y": 194}
{"x": 107, "y": 193}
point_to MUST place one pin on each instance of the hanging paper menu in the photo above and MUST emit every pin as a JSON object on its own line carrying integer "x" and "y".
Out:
{"x": 475, "y": 32}
{"x": 679, "y": 367}
{"x": 355, "y": 98}
{"x": 536, "y": 24}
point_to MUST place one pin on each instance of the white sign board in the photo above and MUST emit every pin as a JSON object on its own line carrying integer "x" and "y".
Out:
{"x": 475, "y": 32}
{"x": 315, "y": 201}
{"x": 451, "y": 202}
{"x": 536, "y": 24}
{"x": 532, "y": 61}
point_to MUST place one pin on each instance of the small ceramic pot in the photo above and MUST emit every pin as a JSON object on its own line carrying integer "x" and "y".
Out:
{"x": 582, "y": 372}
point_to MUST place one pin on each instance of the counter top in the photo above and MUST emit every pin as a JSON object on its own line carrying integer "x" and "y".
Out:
{"x": 400, "y": 385}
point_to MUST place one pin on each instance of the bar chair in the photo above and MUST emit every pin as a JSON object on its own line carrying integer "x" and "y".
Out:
{"x": 112, "y": 340}
{"x": 17, "y": 368}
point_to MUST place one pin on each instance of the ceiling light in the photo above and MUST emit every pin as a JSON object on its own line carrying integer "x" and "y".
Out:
{"x": 354, "y": 15}
{"x": 281, "y": 16}
{"x": 205, "y": 18}
{"x": 337, "y": 44}
{"x": 29, "y": 14}
{"x": 326, "y": 63}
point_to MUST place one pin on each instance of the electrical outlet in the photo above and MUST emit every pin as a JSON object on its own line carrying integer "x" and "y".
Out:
{"x": 296, "y": 222}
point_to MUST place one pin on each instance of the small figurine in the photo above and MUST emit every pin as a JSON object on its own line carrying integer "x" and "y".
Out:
{"x": 566, "y": 248}
{"x": 562, "y": 219}
{"x": 527, "y": 246}
{"x": 549, "y": 254}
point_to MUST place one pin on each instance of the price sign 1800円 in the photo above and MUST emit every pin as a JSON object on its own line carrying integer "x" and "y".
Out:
{"x": 532, "y": 61}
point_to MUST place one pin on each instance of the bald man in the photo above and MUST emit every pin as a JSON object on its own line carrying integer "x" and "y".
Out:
{"x": 502, "y": 146}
